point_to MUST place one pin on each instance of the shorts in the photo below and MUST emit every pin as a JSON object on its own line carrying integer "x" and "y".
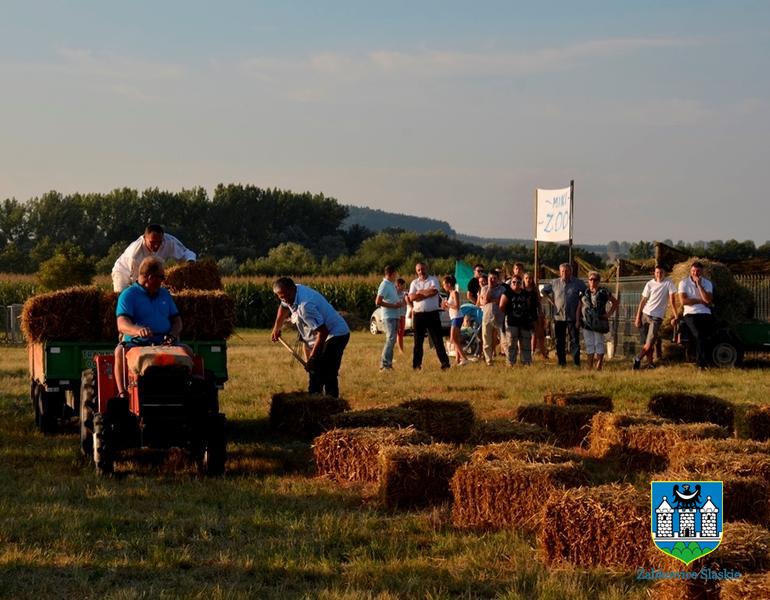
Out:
{"x": 594, "y": 341}
{"x": 457, "y": 322}
{"x": 650, "y": 329}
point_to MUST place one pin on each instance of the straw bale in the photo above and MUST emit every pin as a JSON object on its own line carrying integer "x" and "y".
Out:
{"x": 508, "y": 493}
{"x": 684, "y": 589}
{"x": 745, "y": 498}
{"x": 108, "y": 302}
{"x": 747, "y": 587}
{"x": 386, "y": 416}
{"x": 503, "y": 430}
{"x": 523, "y": 450}
{"x": 353, "y": 454}
{"x": 579, "y": 398}
{"x": 607, "y": 525}
{"x": 681, "y": 451}
{"x": 445, "y": 420}
{"x": 757, "y": 464}
{"x": 569, "y": 424}
{"x": 303, "y": 415}
{"x": 418, "y": 475}
{"x": 200, "y": 275}
{"x": 682, "y": 407}
{"x": 65, "y": 315}
{"x": 641, "y": 440}
{"x": 206, "y": 315}
{"x": 758, "y": 423}
{"x": 733, "y": 303}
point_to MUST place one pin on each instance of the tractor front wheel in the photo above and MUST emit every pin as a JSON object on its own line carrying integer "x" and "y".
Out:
{"x": 102, "y": 446}
{"x": 213, "y": 454}
{"x": 87, "y": 408}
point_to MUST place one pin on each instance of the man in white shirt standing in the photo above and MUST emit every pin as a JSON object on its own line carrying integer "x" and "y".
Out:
{"x": 697, "y": 295}
{"x": 155, "y": 242}
{"x": 423, "y": 292}
{"x": 658, "y": 293}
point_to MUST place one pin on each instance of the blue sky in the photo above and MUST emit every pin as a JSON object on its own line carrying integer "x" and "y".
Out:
{"x": 454, "y": 110}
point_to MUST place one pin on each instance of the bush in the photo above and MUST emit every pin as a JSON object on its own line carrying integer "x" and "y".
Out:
{"x": 67, "y": 267}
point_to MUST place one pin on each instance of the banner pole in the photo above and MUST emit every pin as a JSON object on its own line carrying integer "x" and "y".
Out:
{"x": 571, "y": 210}
{"x": 537, "y": 272}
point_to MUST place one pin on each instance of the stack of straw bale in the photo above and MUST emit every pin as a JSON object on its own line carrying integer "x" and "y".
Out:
{"x": 683, "y": 407}
{"x": 748, "y": 587}
{"x": 701, "y": 459}
{"x": 758, "y": 423}
{"x": 744, "y": 548}
{"x": 503, "y": 430}
{"x": 508, "y": 493}
{"x": 386, "y": 416}
{"x": 200, "y": 275}
{"x": 579, "y": 398}
{"x": 603, "y": 526}
{"x": 303, "y": 415}
{"x": 415, "y": 476}
{"x": 354, "y": 454}
{"x": 568, "y": 424}
{"x": 641, "y": 440}
{"x": 445, "y": 420}
{"x": 88, "y": 313}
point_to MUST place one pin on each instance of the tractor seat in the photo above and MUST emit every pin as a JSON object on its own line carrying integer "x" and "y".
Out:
{"x": 141, "y": 358}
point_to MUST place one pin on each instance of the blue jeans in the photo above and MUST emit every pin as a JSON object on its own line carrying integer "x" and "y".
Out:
{"x": 515, "y": 336}
{"x": 391, "y": 331}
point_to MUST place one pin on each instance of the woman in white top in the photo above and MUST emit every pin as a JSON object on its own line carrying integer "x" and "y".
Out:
{"x": 452, "y": 304}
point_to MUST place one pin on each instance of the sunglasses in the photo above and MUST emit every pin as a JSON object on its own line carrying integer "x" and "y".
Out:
{"x": 593, "y": 279}
{"x": 515, "y": 282}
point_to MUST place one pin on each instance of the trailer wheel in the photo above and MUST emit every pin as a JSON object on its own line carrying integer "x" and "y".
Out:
{"x": 44, "y": 419}
{"x": 103, "y": 452}
{"x": 214, "y": 449}
{"x": 725, "y": 354}
{"x": 87, "y": 409}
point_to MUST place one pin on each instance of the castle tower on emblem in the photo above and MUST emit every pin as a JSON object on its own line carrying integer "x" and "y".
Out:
{"x": 709, "y": 519}
{"x": 665, "y": 519}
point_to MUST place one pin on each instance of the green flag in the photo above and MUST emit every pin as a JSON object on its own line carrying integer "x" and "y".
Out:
{"x": 463, "y": 274}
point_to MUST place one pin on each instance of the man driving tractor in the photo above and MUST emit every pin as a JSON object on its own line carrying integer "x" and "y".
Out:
{"x": 147, "y": 315}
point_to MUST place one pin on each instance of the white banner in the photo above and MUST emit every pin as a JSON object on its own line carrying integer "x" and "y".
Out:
{"x": 554, "y": 215}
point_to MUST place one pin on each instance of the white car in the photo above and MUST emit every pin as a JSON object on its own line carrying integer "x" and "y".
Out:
{"x": 377, "y": 326}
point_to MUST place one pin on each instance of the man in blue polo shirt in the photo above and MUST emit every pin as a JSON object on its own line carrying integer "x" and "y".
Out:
{"x": 324, "y": 329}
{"x": 146, "y": 315}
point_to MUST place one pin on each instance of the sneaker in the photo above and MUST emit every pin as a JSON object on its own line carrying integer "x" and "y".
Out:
{"x": 651, "y": 366}
{"x": 385, "y": 369}
{"x": 637, "y": 363}
{"x": 462, "y": 363}
{"x": 445, "y": 367}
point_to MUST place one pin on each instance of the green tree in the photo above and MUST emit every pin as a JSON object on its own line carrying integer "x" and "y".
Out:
{"x": 285, "y": 259}
{"x": 641, "y": 250}
{"x": 67, "y": 267}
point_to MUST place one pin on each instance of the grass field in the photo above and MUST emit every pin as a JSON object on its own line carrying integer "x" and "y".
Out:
{"x": 269, "y": 528}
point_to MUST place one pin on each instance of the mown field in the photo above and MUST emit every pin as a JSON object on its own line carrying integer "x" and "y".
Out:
{"x": 270, "y": 528}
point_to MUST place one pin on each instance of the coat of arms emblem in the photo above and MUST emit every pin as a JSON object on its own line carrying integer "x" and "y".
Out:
{"x": 686, "y": 518}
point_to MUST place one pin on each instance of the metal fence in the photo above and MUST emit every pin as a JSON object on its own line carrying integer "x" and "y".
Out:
{"x": 760, "y": 287}
{"x": 10, "y": 324}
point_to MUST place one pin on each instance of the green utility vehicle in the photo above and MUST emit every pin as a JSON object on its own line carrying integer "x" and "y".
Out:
{"x": 56, "y": 367}
{"x": 729, "y": 344}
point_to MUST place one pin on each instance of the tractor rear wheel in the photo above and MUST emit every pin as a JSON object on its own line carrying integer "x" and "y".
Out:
{"x": 102, "y": 446}
{"x": 213, "y": 452}
{"x": 87, "y": 409}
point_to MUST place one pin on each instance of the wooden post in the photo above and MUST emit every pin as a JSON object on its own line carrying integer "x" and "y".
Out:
{"x": 537, "y": 273}
{"x": 571, "y": 211}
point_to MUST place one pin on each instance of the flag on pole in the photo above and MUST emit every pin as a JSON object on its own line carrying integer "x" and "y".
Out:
{"x": 463, "y": 274}
{"x": 554, "y": 215}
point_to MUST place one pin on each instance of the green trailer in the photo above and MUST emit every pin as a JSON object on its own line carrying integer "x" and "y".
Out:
{"x": 55, "y": 370}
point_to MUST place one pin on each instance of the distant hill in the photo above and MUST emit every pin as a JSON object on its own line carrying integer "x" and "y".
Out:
{"x": 377, "y": 220}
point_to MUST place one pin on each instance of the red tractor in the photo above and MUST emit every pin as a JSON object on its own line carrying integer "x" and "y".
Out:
{"x": 172, "y": 402}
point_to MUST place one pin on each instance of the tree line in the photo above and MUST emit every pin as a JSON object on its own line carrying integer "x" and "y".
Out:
{"x": 248, "y": 230}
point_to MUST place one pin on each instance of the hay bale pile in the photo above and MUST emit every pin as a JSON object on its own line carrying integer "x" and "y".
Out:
{"x": 607, "y": 525}
{"x": 523, "y": 450}
{"x": 417, "y": 476}
{"x": 387, "y": 416}
{"x": 745, "y": 464}
{"x": 682, "y": 450}
{"x": 568, "y": 424}
{"x": 744, "y": 548}
{"x": 445, "y": 420}
{"x": 758, "y": 423}
{"x": 206, "y": 315}
{"x": 88, "y": 313}
{"x": 733, "y": 303}
{"x": 503, "y": 430}
{"x": 579, "y": 399}
{"x": 200, "y": 275}
{"x": 747, "y": 587}
{"x": 683, "y": 407}
{"x": 353, "y": 454}
{"x": 303, "y": 415}
{"x": 64, "y": 315}
{"x": 508, "y": 493}
{"x": 641, "y": 440}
